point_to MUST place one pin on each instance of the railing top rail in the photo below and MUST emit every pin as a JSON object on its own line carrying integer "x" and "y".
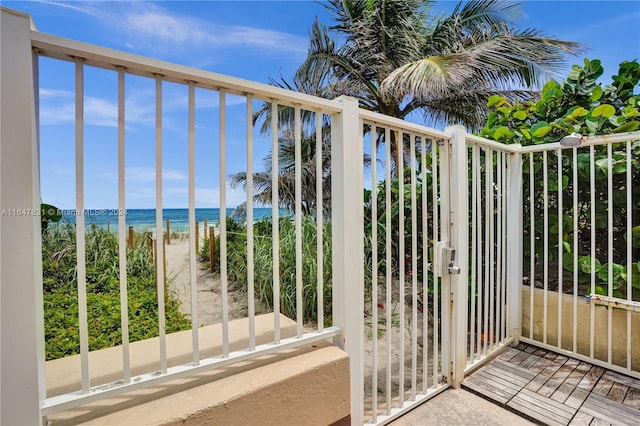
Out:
{"x": 488, "y": 143}
{"x": 586, "y": 141}
{"x": 102, "y": 57}
{"x": 385, "y": 120}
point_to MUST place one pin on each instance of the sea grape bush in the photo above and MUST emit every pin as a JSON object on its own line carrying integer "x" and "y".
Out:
{"x": 60, "y": 286}
{"x": 580, "y": 104}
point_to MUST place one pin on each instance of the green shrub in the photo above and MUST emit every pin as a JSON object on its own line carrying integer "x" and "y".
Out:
{"x": 103, "y": 292}
{"x": 263, "y": 264}
{"x": 580, "y": 104}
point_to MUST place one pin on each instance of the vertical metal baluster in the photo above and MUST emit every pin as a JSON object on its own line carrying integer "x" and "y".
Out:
{"x": 609, "y": 251}
{"x": 388, "y": 264}
{"x": 374, "y": 274}
{"x": 474, "y": 251}
{"x": 436, "y": 304}
{"x": 503, "y": 282}
{"x": 275, "y": 227}
{"x": 414, "y": 269}
{"x": 575, "y": 249}
{"x": 592, "y": 189}
{"x": 250, "y": 238}
{"x": 491, "y": 331}
{"x": 482, "y": 307}
{"x": 223, "y": 224}
{"x": 560, "y": 240}
{"x": 532, "y": 243}
{"x": 319, "y": 221}
{"x": 298, "y": 218}
{"x": 630, "y": 271}
{"x": 545, "y": 173}
{"x": 80, "y": 235}
{"x": 160, "y": 235}
{"x": 192, "y": 225}
{"x": 499, "y": 247}
{"x": 401, "y": 258}
{"x": 122, "y": 239}
{"x": 425, "y": 269}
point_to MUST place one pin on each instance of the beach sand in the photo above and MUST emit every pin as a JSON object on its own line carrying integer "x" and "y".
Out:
{"x": 209, "y": 294}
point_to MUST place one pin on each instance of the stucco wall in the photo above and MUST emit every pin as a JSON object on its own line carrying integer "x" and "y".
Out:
{"x": 619, "y": 326}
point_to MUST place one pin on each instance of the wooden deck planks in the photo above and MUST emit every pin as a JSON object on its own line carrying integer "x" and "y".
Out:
{"x": 602, "y": 407}
{"x": 625, "y": 380}
{"x": 581, "y": 419}
{"x": 576, "y": 398}
{"x": 632, "y": 399}
{"x": 553, "y": 389}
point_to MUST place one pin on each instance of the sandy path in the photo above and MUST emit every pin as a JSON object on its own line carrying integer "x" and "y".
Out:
{"x": 209, "y": 293}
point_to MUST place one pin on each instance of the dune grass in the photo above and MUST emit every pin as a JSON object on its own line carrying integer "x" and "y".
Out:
{"x": 60, "y": 286}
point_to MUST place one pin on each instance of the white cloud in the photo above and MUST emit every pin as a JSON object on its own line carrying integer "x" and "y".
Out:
{"x": 52, "y": 93}
{"x": 159, "y": 26}
{"x": 58, "y": 107}
{"x": 146, "y": 26}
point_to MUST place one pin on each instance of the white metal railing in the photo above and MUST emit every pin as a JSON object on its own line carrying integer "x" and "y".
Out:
{"x": 124, "y": 65}
{"x": 490, "y": 295}
{"x": 469, "y": 191}
{"x": 84, "y": 54}
{"x": 404, "y": 298}
{"x": 570, "y": 252}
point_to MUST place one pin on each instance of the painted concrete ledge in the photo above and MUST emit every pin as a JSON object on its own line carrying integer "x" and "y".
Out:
{"x": 105, "y": 365}
{"x": 305, "y": 385}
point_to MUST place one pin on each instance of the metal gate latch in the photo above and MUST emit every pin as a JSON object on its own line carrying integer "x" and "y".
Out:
{"x": 449, "y": 257}
{"x": 445, "y": 262}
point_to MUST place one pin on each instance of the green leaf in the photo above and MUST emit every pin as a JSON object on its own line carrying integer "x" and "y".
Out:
{"x": 604, "y": 110}
{"x": 596, "y": 93}
{"x": 616, "y": 272}
{"x": 542, "y": 131}
{"x": 585, "y": 264}
{"x": 519, "y": 115}
{"x": 496, "y": 101}
{"x": 635, "y": 237}
{"x": 502, "y": 133}
{"x": 627, "y": 127}
{"x": 540, "y": 125}
{"x": 576, "y": 113}
{"x": 630, "y": 112}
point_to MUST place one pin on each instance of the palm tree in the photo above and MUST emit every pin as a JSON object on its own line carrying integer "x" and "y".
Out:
{"x": 286, "y": 177}
{"x": 397, "y": 59}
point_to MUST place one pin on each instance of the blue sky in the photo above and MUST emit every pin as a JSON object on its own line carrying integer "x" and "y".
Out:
{"x": 254, "y": 40}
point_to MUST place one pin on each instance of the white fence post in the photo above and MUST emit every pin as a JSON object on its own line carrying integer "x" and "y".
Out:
{"x": 459, "y": 234}
{"x": 347, "y": 211}
{"x": 22, "y": 336}
{"x": 514, "y": 244}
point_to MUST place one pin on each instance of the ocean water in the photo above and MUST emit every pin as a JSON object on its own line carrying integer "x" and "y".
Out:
{"x": 145, "y": 219}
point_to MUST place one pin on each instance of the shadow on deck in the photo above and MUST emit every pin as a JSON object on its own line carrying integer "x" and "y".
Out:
{"x": 557, "y": 390}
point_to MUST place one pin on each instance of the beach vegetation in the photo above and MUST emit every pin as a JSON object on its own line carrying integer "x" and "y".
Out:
{"x": 237, "y": 262}
{"x": 404, "y": 59}
{"x": 60, "y": 286}
{"x": 580, "y": 104}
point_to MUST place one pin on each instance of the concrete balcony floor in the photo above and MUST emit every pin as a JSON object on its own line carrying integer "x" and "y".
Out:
{"x": 459, "y": 407}
{"x": 536, "y": 384}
